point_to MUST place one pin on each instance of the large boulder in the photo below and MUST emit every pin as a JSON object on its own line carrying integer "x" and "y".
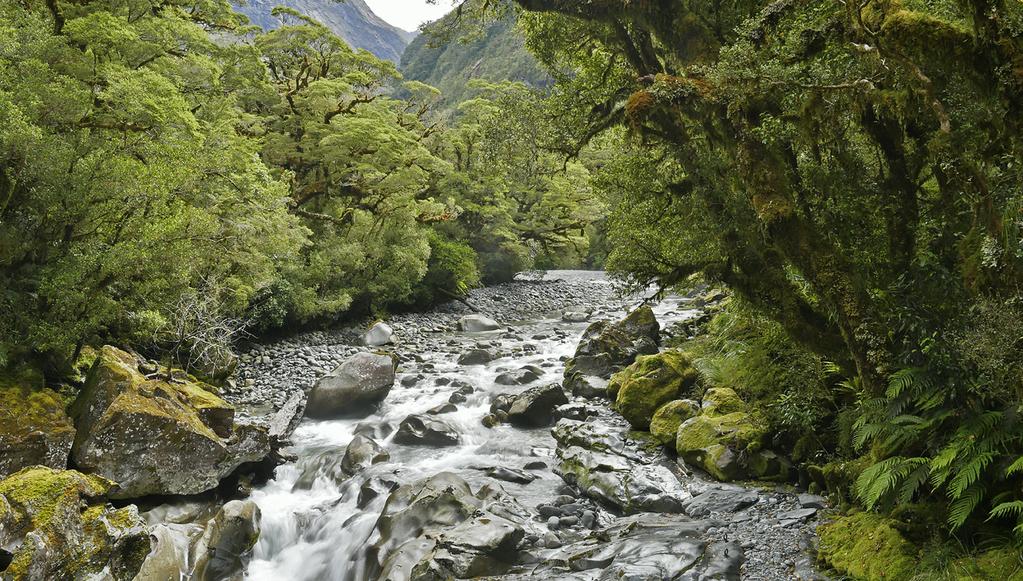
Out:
{"x": 664, "y": 425}
{"x": 226, "y": 545}
{"x": 652, "y": 381}
{"x": 34, "y": 428}
{"x": 478, "y": 324}
{"x": 357, "y": 385}
{"x": 608, "y": 347}
{"x": 424, "y": 430}
{"x": 153, "y": 436}
{"x": 57, "y": 525}
{"x": 379, "y": 334}
{"x": 535, "y": 406}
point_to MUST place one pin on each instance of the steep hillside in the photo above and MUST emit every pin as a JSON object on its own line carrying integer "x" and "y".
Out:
{"x": 499, "y": 54}
{"x": 352, "y": 20}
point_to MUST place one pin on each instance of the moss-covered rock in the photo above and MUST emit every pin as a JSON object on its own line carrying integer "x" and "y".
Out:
{"x": 721, "y": 401}
{"x": 63, "y": 528}
{"x": 998, "y": 565}
{"x": 664, "y": 425}
{"x": 607, "y": 347}
{"x": 715, "y": 443}
{"x": 154, "y": 436}
{"x": 34, "y": 428}
{"x": 867, "y": 546}
{"x": 652, "y": 381}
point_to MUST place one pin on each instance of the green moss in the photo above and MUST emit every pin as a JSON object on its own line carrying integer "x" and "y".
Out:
{"x": 649, "y": 383}
{"x": 708, "y": 441}
{"x": 997, "y": 565}
{"x": 664, "y": 425}
{"x": 867, "y": 546}
{"x": 721, "y": 401}
{"x": 37, "y": 494}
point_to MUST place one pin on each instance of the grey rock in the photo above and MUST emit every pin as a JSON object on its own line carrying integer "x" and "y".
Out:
{"x": 476, "y": 357}
{"x": 477, "y": 324}
{"x": 421, "y": 430}
{"x": 359, "y": 383}
{"x": 378, "y": 335}
{"x": 362, "y": 452}
{"x": 720, "y": 500}
{"x": 226, "y": 544}
{"x": 535, "y": 406}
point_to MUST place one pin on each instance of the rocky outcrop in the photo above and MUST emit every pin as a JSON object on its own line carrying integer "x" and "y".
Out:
{"x": 437, "y": 529}
{"x": 608, "y": 347}
{"x": 601, "y": 465}
{"x": 58, "y": 526}
{"x": 152, "y": 436}
{"x": 647, "y": 546}
{"x": 652, "y": 381}
{"x": 535, "y": 406}
{"x": 34, "y": 428}
{"x": 522, "y": 376}
{"x": 357, "y": 385}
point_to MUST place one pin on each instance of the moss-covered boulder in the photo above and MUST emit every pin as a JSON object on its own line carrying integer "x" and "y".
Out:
{"x": 154, "y": 436}
{"x": 62, "y": 528}
{"x": 664, "y": 425}
{"x": 867, "y": 546}
{"x": 720, "y": 401}
{"x": 718, "y": 443}
{"x": 607, "y": 347}
{"x": 34, "y": 428}
{"x": 652, "y": 381}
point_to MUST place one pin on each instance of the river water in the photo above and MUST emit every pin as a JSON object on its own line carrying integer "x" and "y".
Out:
{"x": 314, "y": 526}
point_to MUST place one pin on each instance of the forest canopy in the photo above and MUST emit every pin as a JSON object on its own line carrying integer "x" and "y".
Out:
{"x": 151, "y": 154}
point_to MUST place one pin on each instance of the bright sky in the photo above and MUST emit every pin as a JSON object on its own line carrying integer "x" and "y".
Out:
{"x": 409, "y": 14}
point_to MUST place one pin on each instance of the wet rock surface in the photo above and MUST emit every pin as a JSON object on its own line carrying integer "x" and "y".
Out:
{"x": 456, "y": 474}
{"x": 154, "y": 435}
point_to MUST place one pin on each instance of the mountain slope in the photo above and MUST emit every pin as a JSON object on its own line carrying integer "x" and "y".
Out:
{"x": 352, "y": 20}
{"x": 499, "y": 54}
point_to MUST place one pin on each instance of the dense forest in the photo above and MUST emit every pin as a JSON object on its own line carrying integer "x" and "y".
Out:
{"x": 846, "y": 177}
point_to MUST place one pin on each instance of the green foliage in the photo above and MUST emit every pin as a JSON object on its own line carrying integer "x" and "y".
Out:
{"x": 851, "y": 171}
{"x": 124, "y": 181}
{"x": 451, "y": 272}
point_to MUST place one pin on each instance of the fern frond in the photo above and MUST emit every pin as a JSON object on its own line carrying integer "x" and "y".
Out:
{"x": 967, "y": 502}
{"x": 1007, "y": 509}
{"x": 1015, "y": 468}
{"x": 968, "y": 474}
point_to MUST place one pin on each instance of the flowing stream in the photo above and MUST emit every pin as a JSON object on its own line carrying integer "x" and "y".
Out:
{"x": 319, "y": 526}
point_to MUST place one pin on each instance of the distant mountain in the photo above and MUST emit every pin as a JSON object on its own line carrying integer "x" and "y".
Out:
{"x": 499, "y": 54}
{"x": 351, "y": 20}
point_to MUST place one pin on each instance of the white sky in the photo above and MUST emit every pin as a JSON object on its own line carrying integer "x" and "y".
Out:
{"x": 409, "y": 14}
